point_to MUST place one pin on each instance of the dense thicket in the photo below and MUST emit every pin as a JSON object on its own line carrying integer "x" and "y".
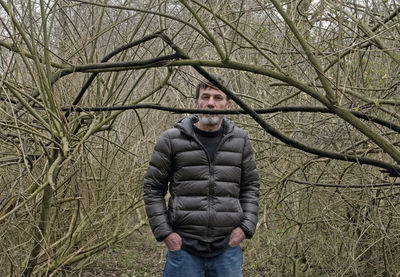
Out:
{"x": 317, "y": 86}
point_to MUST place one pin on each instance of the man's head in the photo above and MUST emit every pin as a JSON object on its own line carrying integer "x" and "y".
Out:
{"x": 210, "y": 97}
{"x": 204, "y": 84}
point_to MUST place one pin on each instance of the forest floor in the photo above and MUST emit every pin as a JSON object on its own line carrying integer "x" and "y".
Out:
{"x": 137, "y": 256}
{"x": 142, "y": 256}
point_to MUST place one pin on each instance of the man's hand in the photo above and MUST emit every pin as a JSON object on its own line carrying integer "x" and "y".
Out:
{"x": 173, "y": 241}
{"x": 237, "y": 236}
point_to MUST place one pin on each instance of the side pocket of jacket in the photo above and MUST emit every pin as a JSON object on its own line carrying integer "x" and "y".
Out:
{"x": 239, "y": 210}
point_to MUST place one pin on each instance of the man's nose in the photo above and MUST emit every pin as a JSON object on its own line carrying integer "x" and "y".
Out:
{"x": 211, "y": 103}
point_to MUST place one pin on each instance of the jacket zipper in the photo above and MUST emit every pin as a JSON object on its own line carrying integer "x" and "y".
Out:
{"x": 211, "y": 171}
{"x": 211, "y": 183}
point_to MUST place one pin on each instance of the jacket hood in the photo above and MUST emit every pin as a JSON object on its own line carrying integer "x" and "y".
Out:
{"x": 186, "y": 124}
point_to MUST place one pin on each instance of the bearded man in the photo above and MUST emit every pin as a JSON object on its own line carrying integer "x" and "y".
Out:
{"x": 206, "y": 164}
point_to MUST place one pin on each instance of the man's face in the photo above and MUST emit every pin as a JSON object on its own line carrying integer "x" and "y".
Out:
{"x": 211, "y": 98}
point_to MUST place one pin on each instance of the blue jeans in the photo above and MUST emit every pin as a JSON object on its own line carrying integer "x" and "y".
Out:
{"x": 181, "y": 264}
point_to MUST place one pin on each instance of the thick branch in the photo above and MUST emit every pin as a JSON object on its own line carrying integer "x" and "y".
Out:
{"x": 283, "y": 109}
{"x": 105, "y": 59}
{"x": 377, "y": 186}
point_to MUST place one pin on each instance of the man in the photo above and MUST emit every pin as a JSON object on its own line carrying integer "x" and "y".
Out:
{"x": 213, "y": 183}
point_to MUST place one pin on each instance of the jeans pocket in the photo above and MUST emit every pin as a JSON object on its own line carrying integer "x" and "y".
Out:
{"x": 174, "y": 258}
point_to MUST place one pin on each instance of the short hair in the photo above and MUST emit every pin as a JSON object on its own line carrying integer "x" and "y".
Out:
{"x": 205, "y": 84}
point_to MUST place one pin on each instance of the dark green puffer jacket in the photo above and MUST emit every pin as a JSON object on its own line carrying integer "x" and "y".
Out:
{"x": 207, "y": 201}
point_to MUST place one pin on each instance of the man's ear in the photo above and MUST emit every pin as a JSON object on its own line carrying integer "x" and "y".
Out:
{"x": 196, "y": 103}
{"x": 229, "y": 104}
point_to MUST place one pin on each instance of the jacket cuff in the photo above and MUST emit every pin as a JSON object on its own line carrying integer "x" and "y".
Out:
{"x": 162, "y": 238}
{"x": 247, "y": 233}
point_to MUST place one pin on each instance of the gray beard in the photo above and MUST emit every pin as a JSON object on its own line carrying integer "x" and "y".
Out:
{"x": 210, "y": 120}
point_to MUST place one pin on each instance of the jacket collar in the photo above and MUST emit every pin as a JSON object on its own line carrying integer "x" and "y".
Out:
{"x": 186, "y": 125}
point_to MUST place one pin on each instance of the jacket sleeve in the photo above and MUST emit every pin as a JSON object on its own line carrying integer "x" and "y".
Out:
{"x": 249, "y": 191}
{"x": 155, "y": 187}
